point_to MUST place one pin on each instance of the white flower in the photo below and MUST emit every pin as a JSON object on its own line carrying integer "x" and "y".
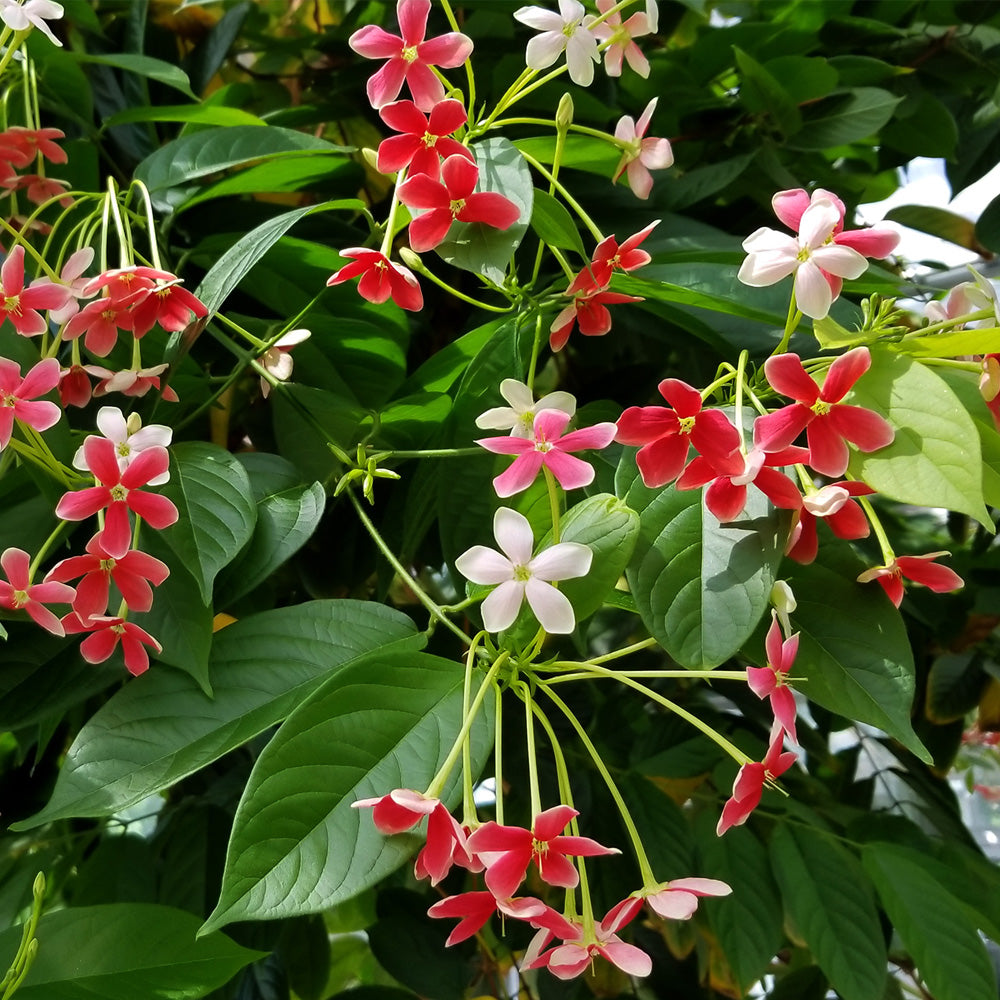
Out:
{"x": 129, "y": 438}
{"x": 519, "y": 575}
{"x": 21, "y": 16}
{"x": 569, "y": 32}
{"x": 277, "y": 359}
{"x": 519, "y": 417}
{"x": 812, "y": 257}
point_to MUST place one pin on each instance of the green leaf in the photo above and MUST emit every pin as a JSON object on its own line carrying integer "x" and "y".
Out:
{"x": 803, "y": 78}
{"x": 934, "y": 460}
{"x": 938, "y": 222}
{"x": 288, "y": 512}
{"x": 579, "y": 152}
{"x": 123, "y": 951}
{"x": 954, "y": 686}
{"x": 153, "y": 69}
{"x": 988, "y": 225}
{"x": 830, "y": 334}
{"x": 922, "y": 126}
{"x": 950, "y": 345}
{"x": 854, "y": 655}
{"x": 217, "y": 512}
{"x": 483, "y": 249}
{"x": 554, "y": 225}
{"x": 162, "y": 727}
{"x": 761, "y": 93}
{"x": 190, "y": 157}
{"x": 235, "y": 264}
{"x": 297, "y": 845}
{"x": 844, "y": 118}
{"x": 201, "y": 114}
{"x": 828, "y": 898}
{"x": 933, "y": 924}
{"x": 700, "y": 586}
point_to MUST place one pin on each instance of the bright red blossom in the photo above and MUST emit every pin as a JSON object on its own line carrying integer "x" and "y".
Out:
{"x": 919, "y": 569}
{"x": 380, "y": 278}
{"x": 18, "y": 593}
{"x": 610, "y": 257}
{"x": 834, "y": 505}
{"x": 588, "y": 308}
{"x": 423, "y": 141}
{"x": 749, "y": 785}
{"x": 106, "y": 633}
{"x": 19, "y": 304}
{"x": 18, "y": 397}
{"x": 769, "y": 681}
{"x": 20, "y": 145}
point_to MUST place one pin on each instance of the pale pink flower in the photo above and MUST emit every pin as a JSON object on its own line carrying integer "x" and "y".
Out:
{"x": 410, "y": 56}
{"x": 19, "y": 397}
{"x": 569, "y": 32}
{"x": 71, "y": 282}
{"x": 520, "y": 576}
{"x": 519, "y": 416}
{"x": 18, "y": 593}
{"x": 641, "y": 154}
{"x": 622, "y": 37}
{"x": 130, "y": 439}
{"x": 674, "y": 900}
{"x": 132, "y": 382}
{"x": 277, "y": 359}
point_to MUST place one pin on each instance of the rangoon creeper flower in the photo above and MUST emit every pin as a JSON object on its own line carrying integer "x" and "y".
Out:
{"x": 749, "y": 785}
{"x": 518, "y": 575}
{"x": 569, "y": 32}
{"x": 132, "y": 381}
{"x": 829, "y": 424}
{"x": 769, "y": 681}
{"x": 40, "y": 189}
{"x": 519, "y": 416}
{"x": 622, "y": 38}
{"x": 610, "y": 257}
{"x": 451, "y": 199}
{"x": 919, "y": 569}
{"x": 835, "y": 505}
{"x": 641, "y": 154}
{"x": 675, "y": 900}
{"x": 589, "y": 308}
{"x": 548, "y": 447}
{"x": 475, "y": 908}
{"x": 813, "y": 257}
{"x": 380, "y": 278}
{"x": 410, "y": 56}
{"x": 399, "y": 810}
{"x": 71, "y": 283}
{"x": 20, "y": 145}
{"x": 277, "y": 359}
{"x": 31, "y": 14}
{"x": 423, "y": 141}
{"x": 19, "y": 304}
{"x": 130, "y": 439}
{"x": 18, "y": 397}
{"x": 18, "y": 593}
{"x": 106, "y": 633}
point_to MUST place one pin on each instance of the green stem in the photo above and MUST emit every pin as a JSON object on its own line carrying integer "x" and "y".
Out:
{"x": 390, "y": 223}
{"x": 498, "y": 757}
{"x": 150, "y": 222}
{"x": 581, "y": 675}
{"x": 946, "y": 323}
{"x": 438, "y": 453}
{"x": 413, "y": 261}
{"x": 469, "y": 75}
{"x": 124, "y": 241}
{"x": 566, "y": 196}
{"x": 550, "y": 484}
{"x": 12, "y": 47}
{"x": 740, "y": 373}
{"x": 468, "y": 793}
{"x": 790, "y": 324}
{"x": 536, "y": 346}
{"x": 888, "y": 556}
{"x": 529, "y": 723}
{"x": 17, "y": 237}
{"x": 46, "y": 545}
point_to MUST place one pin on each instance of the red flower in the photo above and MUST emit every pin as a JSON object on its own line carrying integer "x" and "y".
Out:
{"x": 20, "y": 304}
{"x": 19, "y": 145}
{"x": 170, "y": 305}
{"x": 105, "y": 635}
{"x": 506, "y": 851}
{"x": 18, "y": 593}
{"x": 18, "y": 397}
{"x": 451, "y": 199}
{"x": 475, "y": 908}
{"x": 380, "y": 278}
{"x": 665, "y": 433}
{"x": 828, "y": 423}
{"x": 123, "y": 282}
{"x": 589, "y": 308}
{"x": 833, "y": 503}
{"x": 446, "y": 845}
{"x": 769, "y": 681}
{"x": 423, "y": 141}
{"x": 610, "y": 257}
{"x": 74, "y": 385}
{"x": 118, "y": 492}
{"x": 410, "y": 56}
{"x": 749, "y": 784}
{"x": 919, "y": 569}
{"x": 398, "y": 811}
{"x": 101, "y": 320}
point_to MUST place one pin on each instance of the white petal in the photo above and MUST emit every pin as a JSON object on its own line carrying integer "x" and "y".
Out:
{"x": 77, "y": 263}
{"x": 652, "y": 16}
{"x": 543, "y": 50}
{"x": 812, "y": 293}
{"x": 656, "y": 154}
{"x": 501, "y": 607}
{"x": 517, "y": 394}
{"x": 482, "y": 565}
{"x": 841, "y": 261}
{"x": 552, "y": 609}
{"x": 151, "y": 436}
{"x": 563, "y": 561}
{"x": 770, "y": 239}
{"x": 559, "y": 400}
{"x": 292, "y": 338}
{"x": 571, "y": 11}
{"x": 817, "y": 223}
{"x": 514, "y": 535}
{"x": 539, "y": 18}
{"x": 499, "y": 418}
{"x": 111, "y": 423}
{"x": 762, "y": 269}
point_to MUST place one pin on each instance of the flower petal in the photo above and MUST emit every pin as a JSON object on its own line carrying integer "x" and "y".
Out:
{"x": 501, "y": 606}
{"x": 552, "y": 608}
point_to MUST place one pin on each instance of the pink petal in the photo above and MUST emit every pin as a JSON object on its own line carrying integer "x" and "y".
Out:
{"x": 446, "y": 118}
{"x": 507, "y": 872}
{"x": 99, "y": 645}
{"x": 840, "y": 260}
{"x": 404, "y": 116}
{"x": 783, "y": 706}
{"x": 861, "y": 426}
{"x": 45, "y": 618}
{"x": 828, "y": 452}
{"x": 42, "y": 378}
{"x": 82, "y": 503}
{"x": 412, "y": 17}
{"x": 157, "y": 511}
{"x": 640, "y": 180}
{"x": 662, "y": 461}
{"x": 423, "y": 192}
{"x": 429, "y": 230}
{"x": 571, "y": 473}
{"x": 702, "y": 886}
{"x": 446, "y": 51}
{"x": 15, "y": 563}
{"x": 384, "y": 86}
{"x": 373, "y": 42}
{"x": 778, "y": 488}
{"x": 786, "y": 375}
{"x": 874, "y": 242}
{"x": 776, "y": 431}
{"x": 488, "y": 207}
{"x": 557, "y": 870}
{"x": 673, "y": 904}
{"x": 426, "y": 88}
{"x": 40, "y": 415}
{"x": 520, "y": 475}
{"x": 921, "y": 569}
{"x": 789, "y": 205}
{"x": 631, "y": 960}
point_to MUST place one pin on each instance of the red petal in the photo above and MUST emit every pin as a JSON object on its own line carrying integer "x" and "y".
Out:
{"x": 779, "y": 429}
{"x": 460, "y": 177}
{"x": 725, "y": 500}
{"x": 921, "y": 569}
{"x": 787, "y": 376}
{"x": 844, "y": 372}
{"x": 403, "y": 116}
{"x": 685, "y": 399}
{"x": 861, "y": 426}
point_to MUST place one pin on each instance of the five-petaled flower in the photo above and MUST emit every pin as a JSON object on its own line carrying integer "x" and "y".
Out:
{"x": 749, "y": 785}
{"x": 18, "y": 397}
{"x": 770, "y": 681}
{"x": 277, "y": 359}
{"x": 17, "y": 592}
{"x": 380, "y": 278}
{"x": 588, "y": 307}
{"x": 453, "y": 198}
{"x": 519, "y": 576}
{"x": 641, "y": 154}
{"x": 422, "y": 141}
{"x": 409, "y": 56}
{"x": 519, "y": 416}
{"x": 834, "y": 504}
{"x": 829, "y": 424}
{"x": 19, "y": 304}
{"x": 474, "y": 909}
{"x": 920, "y": 569}
{"x": 130, "y": 439}
{"x": 674, "y": 900}
{"x": 21, "y": 15}
{"x": 548, "y": 447}
{"x": 569, "y": 32}
{"x": 621, "y": 36}
{"x": 610, "y": 257}
{"x": 106, "y": 632}
{"x": 399, "y": 810}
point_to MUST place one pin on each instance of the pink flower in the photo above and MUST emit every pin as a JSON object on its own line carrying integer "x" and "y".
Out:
{"x": 101, "y": 320}
{"x": 40, "y": 189}
{"x": 675, "y": 900}
{"x": 380, "y": 278}
{"x": 749, "y": 785}
{"x": 132, "y": 574}
{"x": 124, "y": 282}
{"x": 398, "y": 811}
{"x": 506, "y": 851}
{"x": 118, "y": 493}
{"x": 665, "y": 434}
{"x": 814, "y": 257}
{"x": 277, "y": 359}
{"x": 641, "y": 154}
{"x": 422, "y": 141}
{"x": 169, "y": 305}
{"x": 17, "y": 592}
{"x": 20, "y": 145}
{"x": 769, "y": 681}
{"x": 74, "y": 384}
{"x": 569, "y": 32}
{"x": 828, "y": 423}
{"x": 451, "y": 199}
{"x": 833, "y": 503}
{"x": 18, "y": 397}
{"x": 106, "y": 633}
{"x": 919, "y": 569}
{"x": 623, "y": 47}
{"x": 130, "y": 439}
{"x": 610, "y": 257}
{"x": 588, "y": 308}
{"x": 518, "y": 575}
{"x": 20, "y": 304}
{"x": 519, "y": 416}
{"x": 71, "y": 283}
{"x": 132, "y": 382}
{"x": 549, "y": 448}
{"x": 475, "y": 908}
{"x": 410, "y": 56}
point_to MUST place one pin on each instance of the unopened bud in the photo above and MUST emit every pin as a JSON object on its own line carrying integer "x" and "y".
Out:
{"x": 784, "y": 604}
{"x": 370, "y": 156}
{"x": 564, "y": 113}
{"x": 133, "y": 423}
{"x": 411, "y": 259}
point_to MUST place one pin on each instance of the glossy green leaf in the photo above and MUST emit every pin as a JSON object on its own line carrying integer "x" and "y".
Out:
{"x": 553, "y": 224}
{"x": 161, "y": 726}
{"x": 847, "y": 117}
{"x": 803, "y": 78}
{"x": 579, "y": 152}
{"x": 933, "y": 924}
{"x": 922, "y": 126}
{"x": 217, "y": 512}
{"x": 761, "y": 93}
{"x": 124, "y": 951}
{"x": 988, "y": 225}
{"x": 936, "y": 221}
{"x": 288, "y": 512}
{"x": 297, "y": 845}
{"x": 949, "y": 345}
{"x": 191, "y": 157}
{"x": 483, "y": 249}
{"x": 133, "y": 62}
{"x": 201, "y": 114}
{"x": 854, "y": 655}
{"x": 954, "y": 686}
{"x": 700, "y": 586}
{"x": 828, "y": 898}
{"x": 934, "y": 460}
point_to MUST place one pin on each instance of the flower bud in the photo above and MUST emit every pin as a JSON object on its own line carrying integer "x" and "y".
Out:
{"x": 564, "y": 113}
{"x": 370, "y": 156}
{"x": 410, "y": 259}
{"x": 784, "y": 603}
